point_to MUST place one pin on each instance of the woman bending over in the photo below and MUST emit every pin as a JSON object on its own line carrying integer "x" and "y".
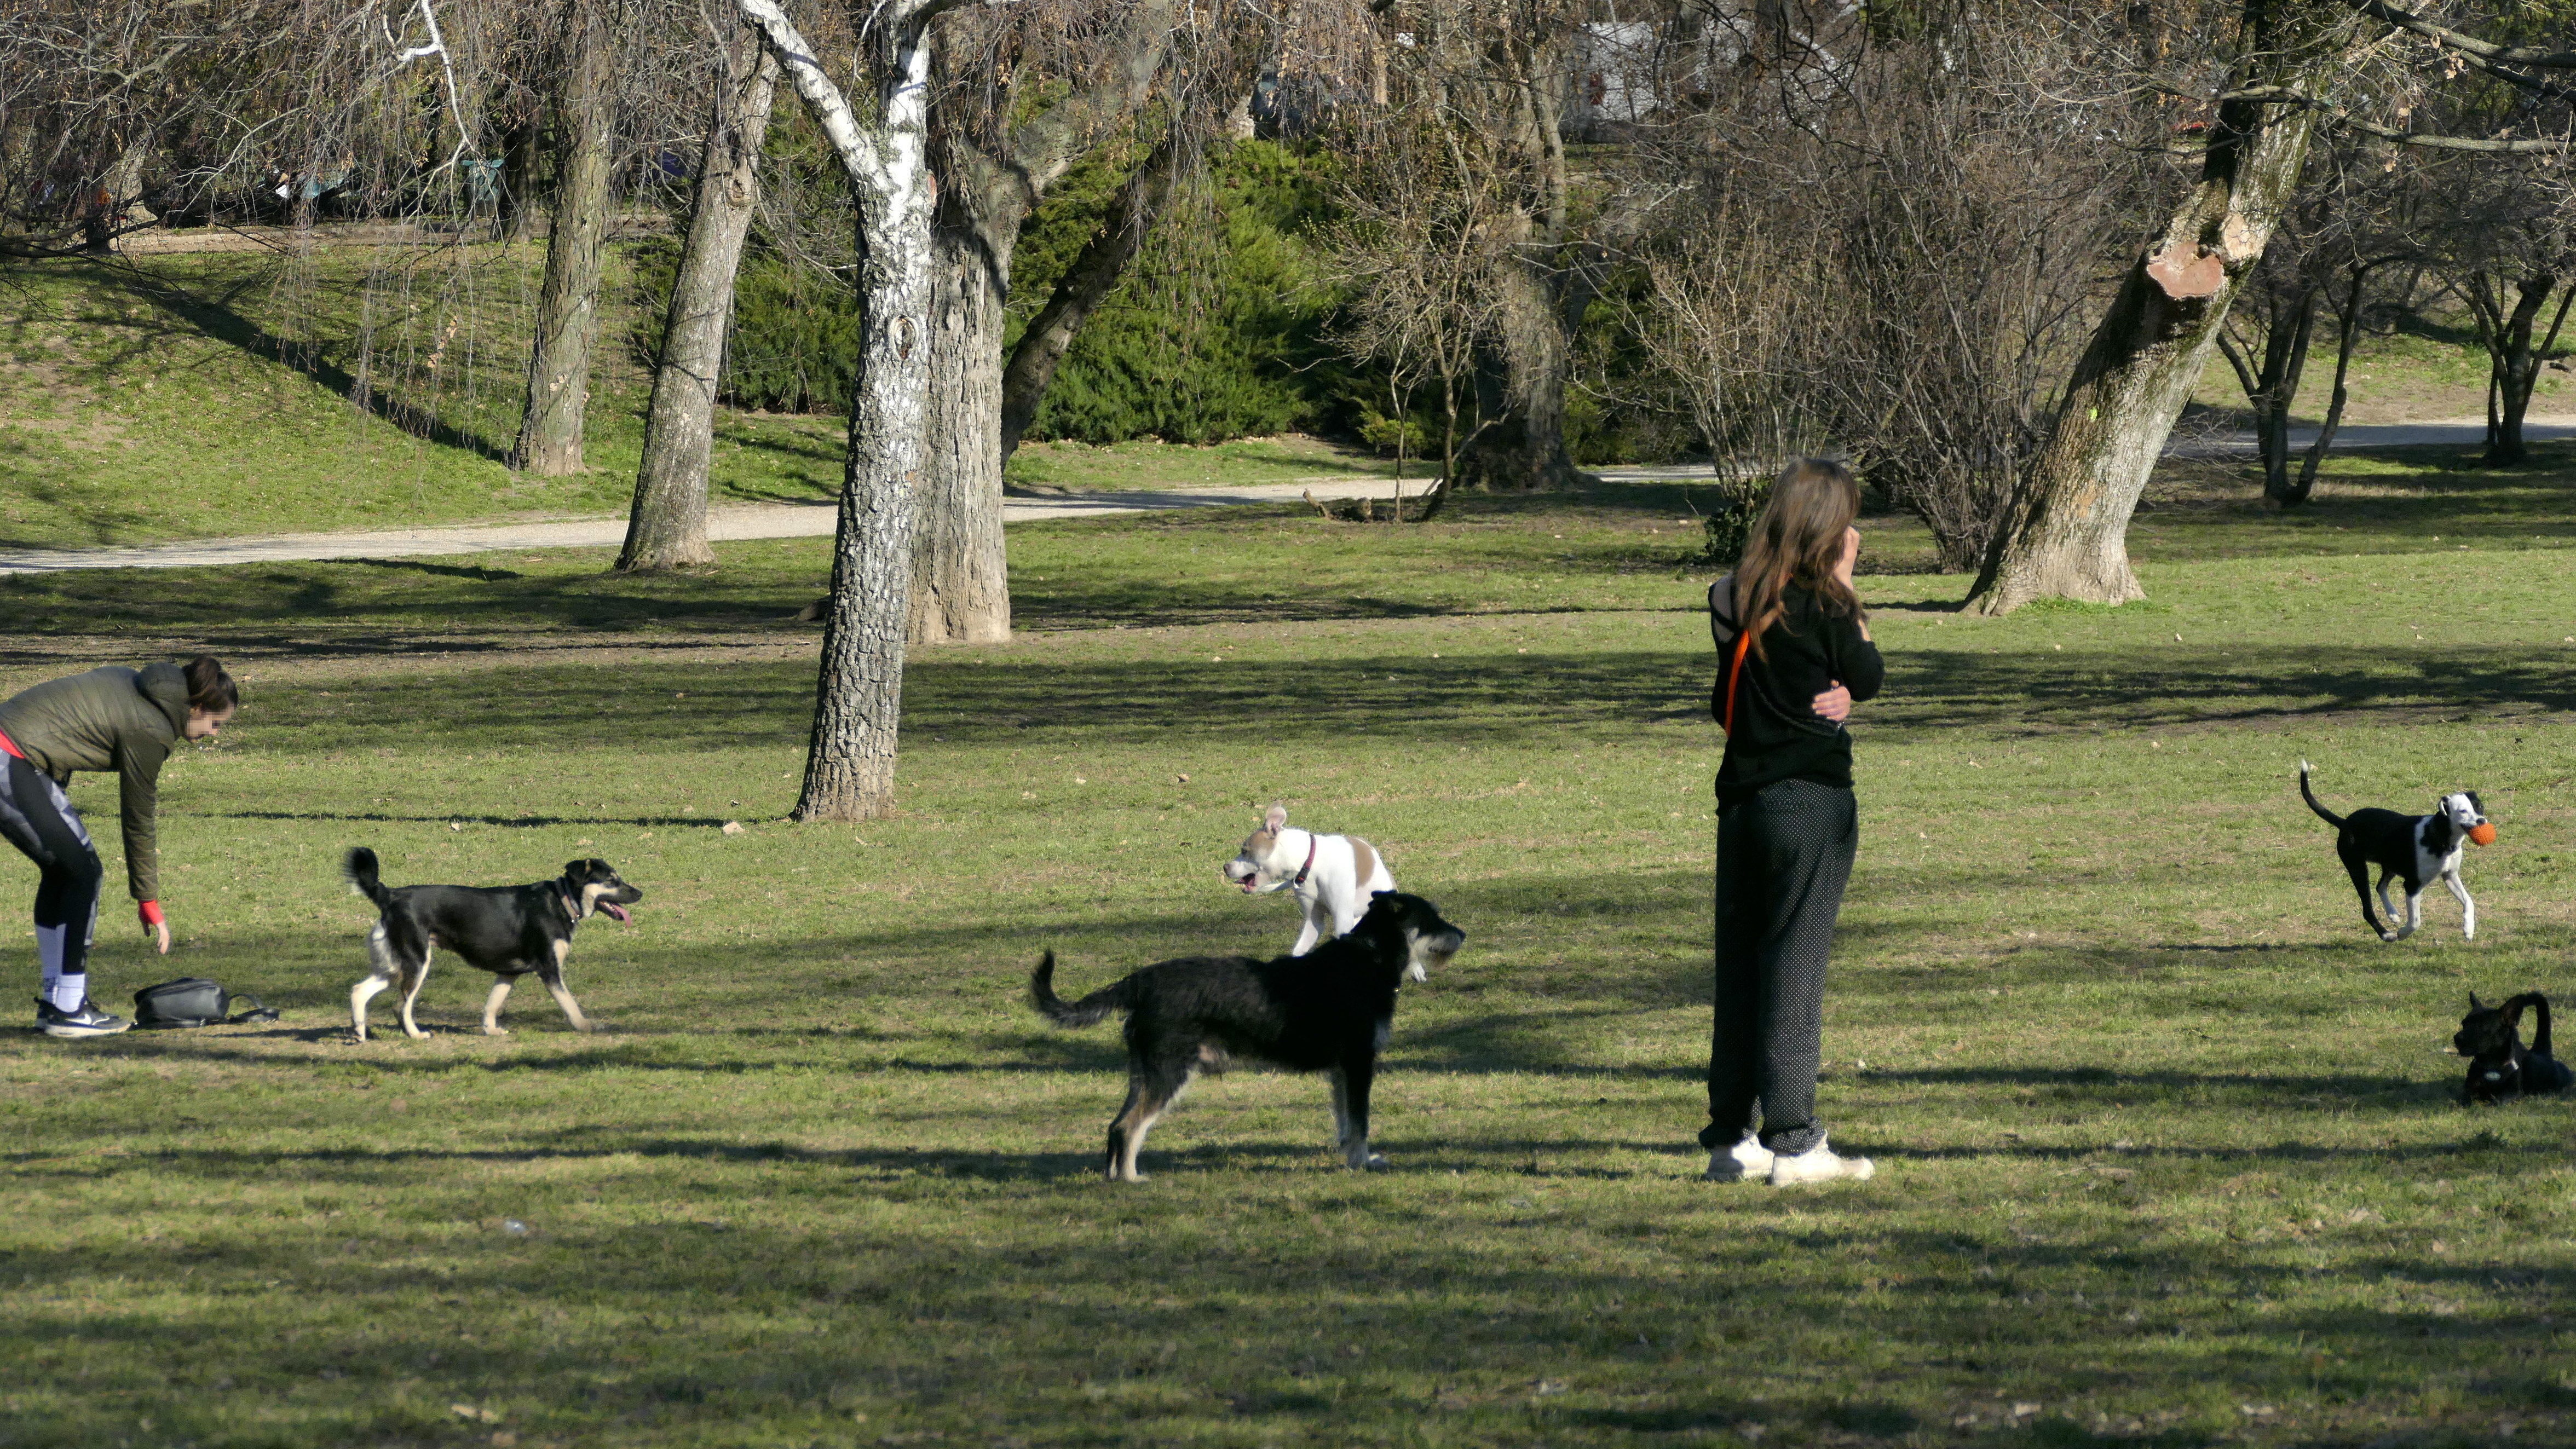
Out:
{"x": 117, "y": 719}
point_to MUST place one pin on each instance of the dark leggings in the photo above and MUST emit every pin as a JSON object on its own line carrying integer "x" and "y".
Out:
{"x": 37, "y": 818}
{"x": 1783, "y": 858}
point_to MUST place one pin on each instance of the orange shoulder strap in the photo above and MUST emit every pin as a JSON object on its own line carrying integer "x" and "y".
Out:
{"x": 1734, "y": 671}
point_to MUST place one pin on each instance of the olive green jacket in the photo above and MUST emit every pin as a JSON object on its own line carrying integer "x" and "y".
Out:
{"x": 117, "y": 719}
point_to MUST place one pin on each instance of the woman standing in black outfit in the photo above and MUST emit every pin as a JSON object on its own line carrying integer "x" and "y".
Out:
{"x": 1794, "y": 653}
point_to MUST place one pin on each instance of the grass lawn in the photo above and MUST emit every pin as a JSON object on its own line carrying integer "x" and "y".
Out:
{"x": 2168, "y": 1151}
{"x": 199, "y": 394}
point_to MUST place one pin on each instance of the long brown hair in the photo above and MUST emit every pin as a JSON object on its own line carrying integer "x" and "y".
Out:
{"x": 1798, "y": 539}
{"x": 210, "y": 689}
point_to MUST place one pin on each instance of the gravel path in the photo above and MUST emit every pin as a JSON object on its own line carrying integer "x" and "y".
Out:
{"x": 773, "y": 520}
{"x": 764, "y": 520}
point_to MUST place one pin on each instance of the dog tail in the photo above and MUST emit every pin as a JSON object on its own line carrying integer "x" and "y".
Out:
{"x": 360, "y": 871}
{"x": 1086, "y": 1012}
{"x": 2513, "y": 1015}
{"x": 2310, "y": 796}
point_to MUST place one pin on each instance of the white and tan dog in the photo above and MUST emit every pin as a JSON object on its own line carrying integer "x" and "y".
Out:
{"x": 1333, "y": 876}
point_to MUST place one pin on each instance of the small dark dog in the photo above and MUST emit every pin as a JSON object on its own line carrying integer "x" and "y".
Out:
{"x": 2414, "y": 848}
{"x": 1326, "y": 1011}
{"x": 2501, "y": 1068}
{"x": 509, "y": 931}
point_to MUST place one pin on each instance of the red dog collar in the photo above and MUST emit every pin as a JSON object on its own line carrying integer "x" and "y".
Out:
{"x": 1311, "y": 839}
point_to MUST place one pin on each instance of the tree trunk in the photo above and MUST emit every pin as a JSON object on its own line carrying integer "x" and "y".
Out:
{"x": 1085, "y": 285}
{"x": 961, "y": 588}
{"x": 961, "y": 577}
{"x": 2273, "y": 390}
{"x": 2347, "y": 333}
{"x": 858, "y": 704}
{"x": 858, "y": 700}
{"x": 2068, "y": 538}
{"x": 668, "y": 527}
{"x": 518, "y": 200}
{"x": 2514, "y": 363}
{"x": 550, "y": 430}
{"x": 1540, "y": 296}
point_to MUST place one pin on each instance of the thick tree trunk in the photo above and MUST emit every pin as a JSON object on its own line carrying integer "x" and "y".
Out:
{"x": 1084, "y": 286}
{"x": 858, "y": 701}
{"x": 668, "y": 527}
{"x": 1525, "y": 446}
{"x": 2068, "y": 538}
{"x": 568, "y": 300}
{"x": 1541, "y": 292}
{"x": 961, "y": 588}
{"x": 858, "y": 704}
{"x": 961, "y": 581}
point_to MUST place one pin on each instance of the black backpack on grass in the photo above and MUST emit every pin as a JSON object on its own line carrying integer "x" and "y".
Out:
{"x": 194, "y": 1001}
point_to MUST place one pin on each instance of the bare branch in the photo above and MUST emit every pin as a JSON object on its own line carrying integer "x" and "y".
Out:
{"x": 2466, "y": 44}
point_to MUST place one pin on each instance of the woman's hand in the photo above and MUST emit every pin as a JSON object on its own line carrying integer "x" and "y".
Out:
{"x": 154, "y": 924}
{"x": 1834, "y": 704}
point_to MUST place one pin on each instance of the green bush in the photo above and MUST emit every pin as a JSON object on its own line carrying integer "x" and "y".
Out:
{"x": 1217, "y": 332}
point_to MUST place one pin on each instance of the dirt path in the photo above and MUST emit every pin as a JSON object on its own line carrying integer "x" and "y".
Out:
{"x": 814, "y": 520}
{"x": 768, "y": 520}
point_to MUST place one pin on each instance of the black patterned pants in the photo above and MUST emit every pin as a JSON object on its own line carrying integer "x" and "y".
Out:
{"x": 1783, "y": 858}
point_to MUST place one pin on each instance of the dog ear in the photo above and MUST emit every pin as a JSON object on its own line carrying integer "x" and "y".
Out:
{"x": 2474, "y": 1003}
{"x": 1275, "y": 818}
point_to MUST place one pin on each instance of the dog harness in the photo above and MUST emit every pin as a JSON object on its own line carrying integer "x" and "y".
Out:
{"x": 1311, "y": 840}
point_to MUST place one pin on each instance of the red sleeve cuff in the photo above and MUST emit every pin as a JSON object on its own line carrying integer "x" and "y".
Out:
{"x": 150, "y": 911}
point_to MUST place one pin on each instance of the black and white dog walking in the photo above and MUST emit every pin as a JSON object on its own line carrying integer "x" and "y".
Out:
{"x": 1332, "y": 876}
{"x": 1325, "y": 1012}
{"x": 510, "y": 931}
{"x": 2501, "y": 1068}
{"x": 2411, "y": 848}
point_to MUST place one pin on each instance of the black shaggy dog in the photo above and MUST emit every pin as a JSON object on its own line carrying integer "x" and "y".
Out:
{"x": 510, "y": 931}
{"x": 1326, "y": 1011}
{"x": 2501, "y": 1068}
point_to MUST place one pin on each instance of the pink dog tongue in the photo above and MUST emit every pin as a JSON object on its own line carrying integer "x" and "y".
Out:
{"x": 614, "y": 910}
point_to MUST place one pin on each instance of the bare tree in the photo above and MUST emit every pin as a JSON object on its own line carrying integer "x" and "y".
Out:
{"x": 1416, "y": 250}
{"x": 558, "y": 403}
{"x": 668, "y": 526}
{"x": 850, "y": 763}
{"x": 2291, "y": 67}
{"x": 1497, "y": 79}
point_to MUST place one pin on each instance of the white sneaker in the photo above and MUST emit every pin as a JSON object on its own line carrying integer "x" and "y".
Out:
{"x": 1748, "y": 1158}
{"x": 1819, "y": 1164}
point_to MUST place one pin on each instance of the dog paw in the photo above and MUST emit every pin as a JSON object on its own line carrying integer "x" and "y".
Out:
{"x": 1373, "y": 1162}
{"x": 496, "y": 1031}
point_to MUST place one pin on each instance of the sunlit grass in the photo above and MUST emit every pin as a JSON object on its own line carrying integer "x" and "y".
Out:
{"x": 2168, "y": 1153}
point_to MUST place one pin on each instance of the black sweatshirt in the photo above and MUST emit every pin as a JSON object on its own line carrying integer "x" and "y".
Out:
{"x": 1778, "y": 735}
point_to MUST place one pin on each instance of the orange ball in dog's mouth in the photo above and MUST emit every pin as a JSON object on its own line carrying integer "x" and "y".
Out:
{"x": 2482, "y": 834}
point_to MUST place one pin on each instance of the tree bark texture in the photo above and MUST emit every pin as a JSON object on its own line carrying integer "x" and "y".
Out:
{"x": 2514, "y": 362}
{"x": 2068, "y": 538}
{"x": 850, "y": 760}
{"x": 1542, "y": 288}
{"x": 568, "y": 300}
{"x": 961, "y": 576}
{"x": 668, "y": 527}
{"x": 1095, "y": 273}
{"x": 961, "y": 587}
